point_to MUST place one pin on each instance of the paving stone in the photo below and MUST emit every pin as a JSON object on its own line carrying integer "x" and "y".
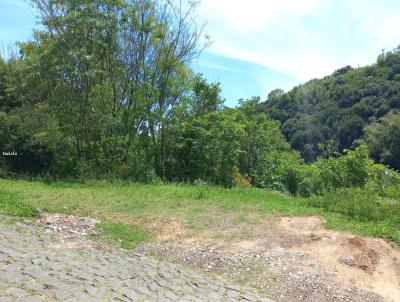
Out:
{"x": 62, "y": 294}
{"x": 17, "y": 292}
{"x": 171, "y": 296}
{"x": 29, "y": 299}
{"x": 130, "y": 294}
{"x": 33, "y": 271}
{"x": 91, "y": 290}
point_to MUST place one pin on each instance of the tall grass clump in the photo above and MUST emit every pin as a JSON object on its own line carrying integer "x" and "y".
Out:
{"x": 361, "y": 203}
{"x": 11, "y": 205}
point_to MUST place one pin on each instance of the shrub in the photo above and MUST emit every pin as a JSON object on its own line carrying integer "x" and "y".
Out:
{"x": 292, "y": 178}
{"x": 3, "y": 169}
{"x": 353, "y": 169}
{"x": 357, "y": 166}
{"x": 240, "y": 180}
{"x": 386, "y": 181}
{"x": 310, "y": 182}
{"x": 279, "y": 171}
{"x": 361, "y": 203}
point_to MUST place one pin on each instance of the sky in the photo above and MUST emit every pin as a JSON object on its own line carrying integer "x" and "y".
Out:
{"x": 260, "y": 45}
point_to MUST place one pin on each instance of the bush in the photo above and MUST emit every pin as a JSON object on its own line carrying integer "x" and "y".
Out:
{"x": 386, "y": 181}
{"x": 240, "y": 180}
{"x": 361, "y": 203}
{"x": 353, "y": 169}
{"x": 292, "y": 178}
{"x": 3, "y": 169}
{"x": 279, "y": 171}
{"x": 310, "y": 182}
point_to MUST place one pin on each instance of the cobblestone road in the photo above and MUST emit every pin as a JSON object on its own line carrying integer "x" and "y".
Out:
{"x": 32, "y": 270}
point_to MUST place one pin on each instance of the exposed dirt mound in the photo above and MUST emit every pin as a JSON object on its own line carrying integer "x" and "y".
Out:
{"x": 368, "y": 263}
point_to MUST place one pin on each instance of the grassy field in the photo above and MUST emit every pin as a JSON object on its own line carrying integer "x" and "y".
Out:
{"x": 117, "y": 204}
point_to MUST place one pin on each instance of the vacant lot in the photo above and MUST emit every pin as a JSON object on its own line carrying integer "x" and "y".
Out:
{"x": 271, "y": 242}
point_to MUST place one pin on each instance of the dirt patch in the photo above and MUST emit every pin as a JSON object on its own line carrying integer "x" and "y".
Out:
{"x": 163, "y": 230}
{"x": 367, "y": 263}
{"x": 365, "y": 258}
{"x": 167, "y": 230}
{"x": 289, "y": 258}
{"x": 301, "y": 224}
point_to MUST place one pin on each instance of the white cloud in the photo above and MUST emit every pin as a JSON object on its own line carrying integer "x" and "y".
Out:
{"x": 388, "y": 31}
{"x": 213, "y": 65}
{"x": 304, "y": 39}
{"x": 255, "y": 14}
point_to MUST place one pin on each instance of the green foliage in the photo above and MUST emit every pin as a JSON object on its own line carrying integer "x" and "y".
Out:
{"x": 206, "y": 97}
{"x": 339, "y": 106}
{"x": 349, "y": 170}
{"x": 10, "y": 204}
{"x": 360, "y": 203}
{"x": 105, "y": 73}
{"x": 386, "y": 181}
{"x": 219, "y": 145}
{"x": 27, "y": 131}
{"x": 277, "y": 170}
{"x": 240, "y": 180}
{"x": 383, "y": 139}
{"x": 105, "y": 91}
{"x": 353, "y": 169}
{"x": 109, "y": 72}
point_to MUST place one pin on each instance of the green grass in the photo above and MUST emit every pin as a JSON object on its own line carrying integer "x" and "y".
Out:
{"x": 361, "y": 204}
{"x": 11, "y": 205}
{"x": 192, "y": 204}
{"x": 123, "y": 235}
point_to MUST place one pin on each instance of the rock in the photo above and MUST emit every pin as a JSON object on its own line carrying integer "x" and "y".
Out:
{"x": 349, "y": 260}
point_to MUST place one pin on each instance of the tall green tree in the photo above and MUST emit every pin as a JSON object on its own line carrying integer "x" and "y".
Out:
{"x": 383, "y": 140}
{"x": 114, "y": 68}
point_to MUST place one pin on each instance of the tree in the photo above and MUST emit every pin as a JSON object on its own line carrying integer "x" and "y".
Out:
{"x": 383, "y": 140}
{"x": 350, "y": 128}
{"x": 115, "y": 68}
{"x": 337, "y": 107}
{"x": 206, "y": 97}
{"x": 8, "y": 100}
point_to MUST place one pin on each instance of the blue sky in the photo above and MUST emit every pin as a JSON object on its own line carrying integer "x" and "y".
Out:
{"x": 259, "y": 45}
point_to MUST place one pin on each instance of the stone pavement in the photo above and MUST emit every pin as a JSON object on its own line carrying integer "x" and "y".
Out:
{"x": 31, "y": 270}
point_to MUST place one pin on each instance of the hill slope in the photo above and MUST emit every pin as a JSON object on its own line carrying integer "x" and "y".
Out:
{"x": 337, "y": 107}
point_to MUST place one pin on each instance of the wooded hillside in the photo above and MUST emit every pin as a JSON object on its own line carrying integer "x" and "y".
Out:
{"x": 339, "y": 108}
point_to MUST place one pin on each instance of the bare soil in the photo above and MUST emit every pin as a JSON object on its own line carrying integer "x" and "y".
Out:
{"x": 367, "y": 263}
{"x": 290, "y": 258}
{"x": 287, "y": 258}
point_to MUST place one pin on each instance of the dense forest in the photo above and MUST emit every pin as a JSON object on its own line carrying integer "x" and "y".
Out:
{"x": 349, "y": 107}
{"x": 105, "y": 90}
